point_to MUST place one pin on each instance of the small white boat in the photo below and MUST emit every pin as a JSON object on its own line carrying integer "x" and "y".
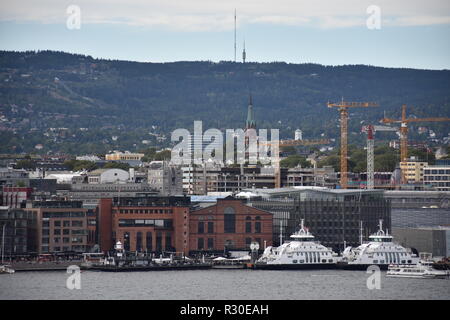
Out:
{"x": 4, "y": 269}
{"x": 422, "y": 270}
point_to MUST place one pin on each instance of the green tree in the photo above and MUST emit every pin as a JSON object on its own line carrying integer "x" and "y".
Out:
{"x": 295, "y": 160}
{"x": 25, "y": 164}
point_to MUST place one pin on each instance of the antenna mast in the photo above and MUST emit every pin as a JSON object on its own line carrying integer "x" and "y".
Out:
{"x": 234, "y": 35}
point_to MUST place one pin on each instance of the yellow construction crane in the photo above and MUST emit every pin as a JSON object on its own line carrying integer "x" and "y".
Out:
{"x": 404, "y": 131}
{"x": 343, "y": 106}
{"x": 288, "y": 143}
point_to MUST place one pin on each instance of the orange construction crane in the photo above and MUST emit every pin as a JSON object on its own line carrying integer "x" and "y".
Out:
{"x": 343, "y": 106}
{"x": 404, "y": 131}
{"x": 288, "y": 143}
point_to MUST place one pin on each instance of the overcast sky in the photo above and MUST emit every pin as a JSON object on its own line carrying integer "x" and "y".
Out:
{"x": 413, "y": 33}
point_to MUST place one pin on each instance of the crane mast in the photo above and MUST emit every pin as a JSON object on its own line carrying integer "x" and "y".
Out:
{"x": 343, "y": 110}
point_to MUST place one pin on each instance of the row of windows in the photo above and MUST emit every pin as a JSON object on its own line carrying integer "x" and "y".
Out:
{"x": 163, "y": 223}
{"x": 65, "y": 223}
{"x": 64, "y": 240}
{"x": 442, "y": 184}
{"x": 46, "y": 232}
{"x": 437, "y": 178}
{"x": 63, "y": 214}
{"x": 440, "y": 171}
{"x": 148, "y": 245}
{"x": 201, "y": 244}
{"x": 257, "y": 228}
{"x": 201, "y": 227}
{"x": 144, "y": 211}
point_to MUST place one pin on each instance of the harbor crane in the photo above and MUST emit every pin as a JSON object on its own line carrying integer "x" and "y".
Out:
{"x": 404, "y": 131}
{"x": 370, "y": 130}
{"x": 343, "y": 110}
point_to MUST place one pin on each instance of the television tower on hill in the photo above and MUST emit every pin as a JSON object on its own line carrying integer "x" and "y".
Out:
{"x": 234, "y": 35}
{"x": 244, "y": 55}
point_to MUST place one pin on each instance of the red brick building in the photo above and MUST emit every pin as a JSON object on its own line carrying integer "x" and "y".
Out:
{"x": 152, "y": 224}
{"x": 229, "y": 224}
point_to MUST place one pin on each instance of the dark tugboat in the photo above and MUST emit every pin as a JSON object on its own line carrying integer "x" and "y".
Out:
{"x": 121, "y": 262}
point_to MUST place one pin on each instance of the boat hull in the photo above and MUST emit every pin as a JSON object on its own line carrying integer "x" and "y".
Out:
{"x": 150, "y": 268}
{"x": 418, "y": 276}
{"x": 230, "y": 267}
{"x": 296, "y": 266}
{"x": 357, "y": 266}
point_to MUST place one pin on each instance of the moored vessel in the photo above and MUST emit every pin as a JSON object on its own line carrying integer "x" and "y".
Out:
{"x": 380, "y": 250}
{"x": 422, "y": 270}
{"x": 300, "y": 252}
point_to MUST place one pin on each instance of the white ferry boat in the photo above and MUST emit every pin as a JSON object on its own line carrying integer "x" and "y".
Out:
{"x": 422, "y": 270}
{"x": 301, "y": 252}
{"x": 380, "y": 250}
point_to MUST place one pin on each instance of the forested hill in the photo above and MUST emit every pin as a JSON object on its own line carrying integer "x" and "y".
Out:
{"x": 129, "y": 100}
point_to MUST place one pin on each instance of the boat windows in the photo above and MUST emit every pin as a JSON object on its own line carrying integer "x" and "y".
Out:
{"x": 294, "y": 261}
{"x": 375, "y": 261}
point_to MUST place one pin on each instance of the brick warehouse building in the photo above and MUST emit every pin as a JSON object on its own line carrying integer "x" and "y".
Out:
{"x": 229, "y": 225}
{"x": 152, "y": 224}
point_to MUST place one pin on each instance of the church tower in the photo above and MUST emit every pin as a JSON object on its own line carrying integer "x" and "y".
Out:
{"x": 250, "y": 123}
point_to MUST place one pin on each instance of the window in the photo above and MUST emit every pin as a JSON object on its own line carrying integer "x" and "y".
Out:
{"x": 149, "y": 241}
{"x": 248, "y": 242}
{"x": 126, "y": 241}
{"x": 57, "y": 223}
{"x": 66, "y": 240}
{"x": 159, "y": 241}
{"x": 168, "y": 241}
{"x": 200, "y": 244}
{"x": 66, "y": 223}
{"x": 77, "y": 240}
{"x": 248, "y": 225}
{"x": 77, "y": 223}
{"x": 57, "y": 231}
{"x": 210, "y": 227}
{"x": 201, "y": 227}
{"x": 66, "y": 231}
{"x": 210, "y": 243}
{"x": 139, "y": 241}
{"x": 258, "y": 225}
{"x": 229, "y": 220}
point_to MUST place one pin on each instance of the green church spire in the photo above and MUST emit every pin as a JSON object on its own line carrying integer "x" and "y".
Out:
{"x": 250, "y": 123}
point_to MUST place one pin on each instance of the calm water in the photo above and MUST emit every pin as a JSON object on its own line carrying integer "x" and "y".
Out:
{"x": 219, "y": 284}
